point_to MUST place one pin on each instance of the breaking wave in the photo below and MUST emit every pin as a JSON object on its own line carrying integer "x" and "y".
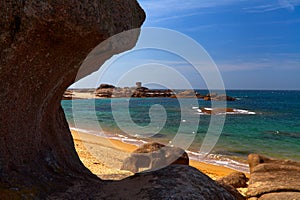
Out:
{"x": 223, "y": 111}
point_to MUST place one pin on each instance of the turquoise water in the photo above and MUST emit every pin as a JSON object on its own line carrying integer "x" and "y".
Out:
{"x": 268, "y": 122}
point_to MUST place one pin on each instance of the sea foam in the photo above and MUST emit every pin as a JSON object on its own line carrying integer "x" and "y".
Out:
{"x": 223, "y": 111}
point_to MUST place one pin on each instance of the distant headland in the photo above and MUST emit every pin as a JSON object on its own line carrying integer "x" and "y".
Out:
{"x": 139, "y": 91}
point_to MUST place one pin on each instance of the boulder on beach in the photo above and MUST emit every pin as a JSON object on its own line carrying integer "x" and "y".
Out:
{"x": 171, "y": 182}
{"x": 154, "y": 156}
{"x": 273, "y": 179}
{"x": 233, "y": 191}
{"x": 235, "y": 179}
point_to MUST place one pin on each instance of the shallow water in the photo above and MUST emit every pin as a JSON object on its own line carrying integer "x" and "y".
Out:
{"x": 265, "y": 122}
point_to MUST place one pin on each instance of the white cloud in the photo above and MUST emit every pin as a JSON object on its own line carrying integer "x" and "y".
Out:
{"x": 273, "y": 5}
{"x": 166, "y": 6}
{"x": 177, "y": 8}
{"x": 173, "y": 17}
{"x": 279, "y": 61}
{"x": 290, "y": 5}
{"x": 164, "y": 10}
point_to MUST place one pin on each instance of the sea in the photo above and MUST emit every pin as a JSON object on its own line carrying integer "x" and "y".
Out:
{"x": 266, "y": 122}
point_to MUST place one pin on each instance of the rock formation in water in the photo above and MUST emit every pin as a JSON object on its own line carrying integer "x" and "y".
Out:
{"x": 216, "y": 97}
{"x": 273, "y": 179}
{"x": 110, "y": 91}
{"x": 42, "y": 46}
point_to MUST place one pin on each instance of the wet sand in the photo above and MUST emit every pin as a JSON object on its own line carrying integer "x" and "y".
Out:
{"x": 104, "y": 157}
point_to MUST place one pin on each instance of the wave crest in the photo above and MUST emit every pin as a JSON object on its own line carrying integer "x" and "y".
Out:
{"x": 224, "y": 111}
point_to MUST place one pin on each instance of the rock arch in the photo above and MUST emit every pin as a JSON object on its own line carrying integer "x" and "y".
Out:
{"x": 42, "y": 44}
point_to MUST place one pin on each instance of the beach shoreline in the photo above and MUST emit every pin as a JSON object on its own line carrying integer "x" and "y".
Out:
{"x": 104, "y": 156}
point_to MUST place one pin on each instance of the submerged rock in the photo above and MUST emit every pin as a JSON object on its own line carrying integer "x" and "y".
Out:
{"x": 273, "y": 179}
{"x": 216, "y": 97}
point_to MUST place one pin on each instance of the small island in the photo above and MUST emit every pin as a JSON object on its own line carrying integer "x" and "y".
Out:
{"x": 139, "y": 91}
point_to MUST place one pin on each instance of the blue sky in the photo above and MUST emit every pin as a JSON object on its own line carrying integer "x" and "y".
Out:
{"x": 255, "y": 43}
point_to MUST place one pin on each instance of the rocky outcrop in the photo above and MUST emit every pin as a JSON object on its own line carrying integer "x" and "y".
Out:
{"x": 141, "y": 92}
{"x": 186, "y": 94}
{"x": 233, "y": 191}
{"x": 235, "y": 179}
{"x": 106, "y": 86}
{"x": 216, "y": 111}
{"x": 110, "y": 91}
{"x": 273, "y": 179}
{"x": 42, "y": 46}
{"x": 154, "y": 156}
{"x": 68, "y": 95}
{"x": 105, "y": 90}
{"x": 172, "y": 182}
{"x": 216, "y": 97}
{"x": 144, "y": 93}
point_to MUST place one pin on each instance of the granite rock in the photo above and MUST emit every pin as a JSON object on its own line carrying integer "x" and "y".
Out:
{"x": 172, "y": 182}
{"x": 42, "y": 46}
{"x": 235, "y": 179}
{"x": 270, "y": 178}
{"x": 154, "y": 156}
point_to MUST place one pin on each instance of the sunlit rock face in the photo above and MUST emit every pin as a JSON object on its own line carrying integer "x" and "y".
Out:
{"x": 42, "y": 46}
{"x": 273, "y": 179}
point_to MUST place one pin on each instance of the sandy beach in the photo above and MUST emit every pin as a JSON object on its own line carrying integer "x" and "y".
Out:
{"x": 104, "y": 157}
